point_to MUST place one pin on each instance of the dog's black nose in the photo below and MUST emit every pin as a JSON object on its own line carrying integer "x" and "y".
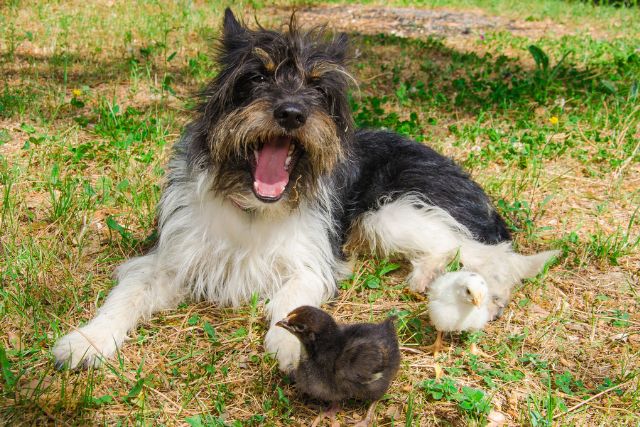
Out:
{"x": 290, "y": 115}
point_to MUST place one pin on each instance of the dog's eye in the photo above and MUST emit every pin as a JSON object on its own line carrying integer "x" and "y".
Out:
{"x": 322, "y": 91}
{"x": 258, "y": 78}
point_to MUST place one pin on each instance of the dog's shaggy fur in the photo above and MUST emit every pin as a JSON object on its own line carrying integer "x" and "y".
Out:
{"x": 271, "y": 182}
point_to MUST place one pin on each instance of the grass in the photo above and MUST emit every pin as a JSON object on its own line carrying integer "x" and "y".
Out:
{"x": 92, "y": 99}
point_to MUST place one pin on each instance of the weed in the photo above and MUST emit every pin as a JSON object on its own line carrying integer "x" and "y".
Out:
{"x": 567, "y": 384}
{"x": 471, "y": 401}
{"x": 542, "y": 409}
{"x": 7, "y": 374}
{"x": 15, "y": 101}
{"x": 500, "y": 371}
{"x": 614, "y": 246}
{"x": 370, "y": 112}
{"x": 475, "y": 403}
{"x": 374, "y": 279}
{"x": 607, "y": 248}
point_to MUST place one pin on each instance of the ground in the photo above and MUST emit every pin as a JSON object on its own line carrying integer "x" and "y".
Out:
{"x": 538, "y": 100}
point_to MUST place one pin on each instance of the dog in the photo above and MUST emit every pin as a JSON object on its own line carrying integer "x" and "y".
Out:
{"x": 271, "y": 187}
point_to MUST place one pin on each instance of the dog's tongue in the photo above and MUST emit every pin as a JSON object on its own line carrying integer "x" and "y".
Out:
{"x": 270, "y": 176}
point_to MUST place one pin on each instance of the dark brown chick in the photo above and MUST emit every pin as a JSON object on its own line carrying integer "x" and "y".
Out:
{"x": 341, "y": 362}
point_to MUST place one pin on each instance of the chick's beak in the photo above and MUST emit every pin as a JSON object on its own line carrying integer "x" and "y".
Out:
{"x": 476, "y": 300}
{"x": 284, "y": 324}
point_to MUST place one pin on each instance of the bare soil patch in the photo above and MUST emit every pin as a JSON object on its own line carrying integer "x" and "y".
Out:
{"x": 418, "y": 23}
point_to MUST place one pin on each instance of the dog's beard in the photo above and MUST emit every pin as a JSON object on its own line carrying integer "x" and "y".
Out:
{"x": 257, "y": 159}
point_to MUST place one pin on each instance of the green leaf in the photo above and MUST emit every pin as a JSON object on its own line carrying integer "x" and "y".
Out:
{"x": 388, "y": 268}
{"x": 372, "y": 282}
{"x": 102, "y": 400}
{"x": 77, "y": 103}
{"x": 454, "y": 264}
{"x": 193, "y": 320}
{"x": 563, "y": 382}
{"x": 113, "y": 225}
{"x": 27, "y": 128}
{"x": 621, "y": 319}
{"x": 541, "y": 58}
{"x": 7, "y": 375}
{"x": 135, "y": 390}
{"x": 240, "y": 332}
{"x": 211, "y": 332}
{"x": 609, "y": 87}
{"x": 4, "y": 136}
{"x": 123, "y": 185}
{"x": 195, "y": 421}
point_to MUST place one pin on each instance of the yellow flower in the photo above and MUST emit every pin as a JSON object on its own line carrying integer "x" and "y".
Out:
{"x": 76, "y": 92}
{"x": 554, "y": 120}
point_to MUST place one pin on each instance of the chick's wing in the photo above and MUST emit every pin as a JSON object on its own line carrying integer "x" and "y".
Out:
{"x": 362, "y": 361}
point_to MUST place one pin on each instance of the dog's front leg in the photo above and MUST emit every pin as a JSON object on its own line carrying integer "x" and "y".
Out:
{"x": 305, "y": 288}
{"x": 143, "y": 288}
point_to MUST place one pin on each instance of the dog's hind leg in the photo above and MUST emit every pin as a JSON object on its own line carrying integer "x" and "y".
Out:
{"x": 143, "y": 288}
{"x": 425, "y": 235}
{"x": 429, "y": 238}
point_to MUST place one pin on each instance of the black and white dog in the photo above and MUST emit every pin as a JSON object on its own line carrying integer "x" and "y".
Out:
{"x": 271, "y": 182}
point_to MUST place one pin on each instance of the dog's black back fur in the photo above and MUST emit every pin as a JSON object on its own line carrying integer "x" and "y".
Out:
{"x": 386, "y": 166}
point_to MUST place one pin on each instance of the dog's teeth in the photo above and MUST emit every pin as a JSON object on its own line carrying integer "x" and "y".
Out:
{"x": 255, "y": 153}
{"x": 292, "y": 147}
{"x": 287, "y": 162}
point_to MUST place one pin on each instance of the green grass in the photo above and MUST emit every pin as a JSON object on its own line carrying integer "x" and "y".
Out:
{"x": 92, "y": 99}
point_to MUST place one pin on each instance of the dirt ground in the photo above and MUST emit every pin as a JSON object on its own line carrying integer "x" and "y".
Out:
{"x": 418, "y": 23}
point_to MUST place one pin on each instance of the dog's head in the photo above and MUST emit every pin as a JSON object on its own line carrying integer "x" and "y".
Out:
{"x": 276, "y": 118}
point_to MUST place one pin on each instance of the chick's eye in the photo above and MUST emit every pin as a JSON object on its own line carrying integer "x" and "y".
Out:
{"x": 298, "y": 328}
{"x": 468, "y": 292}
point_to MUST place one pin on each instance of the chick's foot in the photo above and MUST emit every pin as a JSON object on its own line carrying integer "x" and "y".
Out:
{"x": 367, "y": 420}
{"x": 330, "y": 413}
{"x": 438, "y": 346}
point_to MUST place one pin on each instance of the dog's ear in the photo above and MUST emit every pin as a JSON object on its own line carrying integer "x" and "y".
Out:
{"x": 339, "y": 47}
{"x": 231, "y": 27}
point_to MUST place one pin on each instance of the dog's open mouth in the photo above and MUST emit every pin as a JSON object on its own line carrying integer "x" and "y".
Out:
{"x": 274, "y": 161}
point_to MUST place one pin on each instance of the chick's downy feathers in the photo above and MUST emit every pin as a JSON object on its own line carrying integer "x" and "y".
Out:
{"x": 459, "y": 301}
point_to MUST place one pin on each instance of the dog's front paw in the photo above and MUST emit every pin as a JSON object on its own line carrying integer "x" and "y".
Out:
{"x": 85, "y": 347}
{"x": 285, "y": 346}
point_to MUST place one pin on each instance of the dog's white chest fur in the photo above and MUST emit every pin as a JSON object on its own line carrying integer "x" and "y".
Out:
{"x": 225, "y": 255}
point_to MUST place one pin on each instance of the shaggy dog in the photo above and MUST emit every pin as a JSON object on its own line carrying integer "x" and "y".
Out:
{"x": 271, "y": 182}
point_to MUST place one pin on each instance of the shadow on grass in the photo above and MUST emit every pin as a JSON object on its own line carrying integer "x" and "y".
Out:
{"x": 447, "y": 78}
{"x": 466, "y": 82}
